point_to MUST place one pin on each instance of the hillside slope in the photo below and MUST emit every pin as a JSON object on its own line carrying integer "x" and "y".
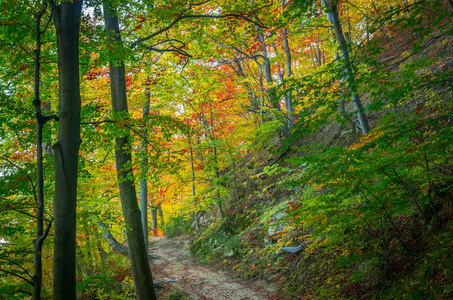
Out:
{"x": 371, "y": 216}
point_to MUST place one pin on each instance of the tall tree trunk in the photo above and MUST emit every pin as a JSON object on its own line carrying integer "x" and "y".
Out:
{"x": 216, "y": 163}
{"x": 217, "y": 176}
{"x": 240, "y": 72}
{"x": 367, "y": 24}
{"x": 144, "y": 170}
{"x": 334, "y": 18}
{"x": 234, "y": 172}
{"x": 161, "y": 214}
{"x": 80, "y": 265}
{"x": 91, "y": 255}
{"x": 66, "y": 149}
{"x": 141, "y": 272}
{"x": 197, "y": 220}
{"x": 348, "y": 23}
{"x": 288, "y": 96}
{"x": 37, "y": 278}
{"x": 154, "y": 218}
{"x": 272, "y": 91}
{"x": 260, "y": 80}
{"x": 40, "y": 122}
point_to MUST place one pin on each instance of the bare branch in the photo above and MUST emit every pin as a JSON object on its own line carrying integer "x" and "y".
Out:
{"x": 181, "y": 16}
{"x": 97, "y": 122}
{"x": 26, "y": 175}
{"x": 18, "y": 265}
{"x": 233, "y": 48}
{"x": 17, "y": 275}
{"x": 27, "y": 214}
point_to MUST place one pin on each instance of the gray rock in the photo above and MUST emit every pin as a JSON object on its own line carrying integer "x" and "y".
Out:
{"x": 228, "y": 253}
{"x": 276, "y": 226}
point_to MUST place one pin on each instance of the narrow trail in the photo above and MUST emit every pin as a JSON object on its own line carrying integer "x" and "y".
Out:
{"x": 200, "y": 281}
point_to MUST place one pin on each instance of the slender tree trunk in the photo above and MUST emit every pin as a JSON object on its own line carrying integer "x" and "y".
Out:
{"x": 141, "y": 272}
{"x": 312, "y": 56}
{"x": 161, "y": 214}
{"x": 332, "y": 15}
{"x": 144, "y": 170}
{"x": 103, "y": 255}
{"x": 91, "y": 255}
{"x": 66, "y": 149}
{"x": 288, "y": 96}
{"x": 349, "y": 33}
{"x": 37, "y": 279}
{"x": 240, "y": 72}
{"x": 80, "y": 266}
{"x": 272, "y": 91}
{"x": 154, "y": 218}
{"x": 319, "y": 52}
{"x": 216, "y": 163}
{"x": 192, "y": 168}
{"x": 197, "y": 221}
{"x": 40, "y": 234}
{"x": 234, "y": 172}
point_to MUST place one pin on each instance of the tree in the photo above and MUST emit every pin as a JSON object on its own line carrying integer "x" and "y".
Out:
{"x": 334, "y": 18}
{"x": 143, "y": 172}
{"x": 66, "y": 149}
{"x": 41, "y": 120}
{"x": 141, "y": 272}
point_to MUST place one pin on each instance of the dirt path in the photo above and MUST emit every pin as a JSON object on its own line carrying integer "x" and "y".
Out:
{"x": 199, "y": 281}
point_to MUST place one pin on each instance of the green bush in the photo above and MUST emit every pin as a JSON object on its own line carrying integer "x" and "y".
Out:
{"x": 89, "y": 287}
{"x": 178, "y": 225}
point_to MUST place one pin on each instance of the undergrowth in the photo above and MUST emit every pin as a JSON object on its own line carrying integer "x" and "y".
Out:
{"x": 374, "y": 217}
{"x": 177, "y": 225}
{"x": 113, "y": 281}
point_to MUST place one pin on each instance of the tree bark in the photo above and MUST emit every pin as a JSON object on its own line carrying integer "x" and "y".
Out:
{"x": 138, "y": 254}
{"x": 216, "y": 163}
{"x": 272, "y": 92}
{"x": 66, "y": 149}
{"x": 154, "y": 218}
{"x": 113, "y": 243}
{"x": 288, "y": 96}
{"x": 334, "y": 18}
{"x": 161, "y": 214}
{"x": 144, "y": 171}
{"x": 116, "y": 246}
{"x": 197, "y": 220}
{"x": 40, "y": 122}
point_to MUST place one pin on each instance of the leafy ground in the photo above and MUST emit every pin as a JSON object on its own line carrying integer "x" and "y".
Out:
{"x": 199, "y": 281}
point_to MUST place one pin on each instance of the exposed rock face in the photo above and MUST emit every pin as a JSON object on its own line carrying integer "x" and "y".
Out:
{"x": 277, "y": 226}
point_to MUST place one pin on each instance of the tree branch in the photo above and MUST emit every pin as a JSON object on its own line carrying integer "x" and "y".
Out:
{"x": 26, "y": 175}
{"x": 181, "y": 16}
{"x": 17, "y": 275}
{"x": 16, "y": 264}
{"x": 45, "y": 234}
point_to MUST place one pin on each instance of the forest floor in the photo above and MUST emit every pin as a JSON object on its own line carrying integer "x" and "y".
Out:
{"x": 199, "y": 281}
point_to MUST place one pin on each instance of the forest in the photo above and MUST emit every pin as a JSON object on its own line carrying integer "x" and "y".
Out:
{"x": 301, "y": 145}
